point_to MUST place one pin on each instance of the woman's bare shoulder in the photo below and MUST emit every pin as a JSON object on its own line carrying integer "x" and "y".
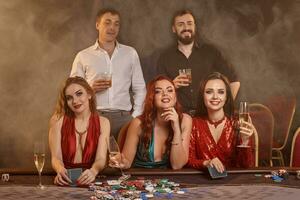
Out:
{"x": 186, "y": 117}
{"x": 103, "y": 120}
{"x": 55, "y": 121}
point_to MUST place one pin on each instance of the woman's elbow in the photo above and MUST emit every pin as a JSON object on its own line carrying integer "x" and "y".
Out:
{"x": 176, "y": 166}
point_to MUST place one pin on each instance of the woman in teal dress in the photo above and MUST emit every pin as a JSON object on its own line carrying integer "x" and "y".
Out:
{"x": 159, "y": 138}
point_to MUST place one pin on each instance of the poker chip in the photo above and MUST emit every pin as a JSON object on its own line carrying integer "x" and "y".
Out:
{"x": 257, "y": 175}
{"x": 98, "y": 183}
{"x": 268, "y": 176}
{"x": 149, "y": 195}
{"x": 277, "y": 180}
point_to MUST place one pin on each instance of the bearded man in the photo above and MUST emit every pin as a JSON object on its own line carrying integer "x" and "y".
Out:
{"x": 188, "y": 53}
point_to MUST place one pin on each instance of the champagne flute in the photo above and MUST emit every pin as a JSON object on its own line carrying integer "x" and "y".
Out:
{"x": 114, "y": 151}
{"x": 39, "y": 160}
{"x": 243, "y": 117}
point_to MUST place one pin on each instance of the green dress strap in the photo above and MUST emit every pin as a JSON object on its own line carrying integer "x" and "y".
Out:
{"x": 145, "y": 157}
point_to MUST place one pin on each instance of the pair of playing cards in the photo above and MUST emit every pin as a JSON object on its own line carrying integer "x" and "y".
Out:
{"x": 215, "y": 174}
{"x": 74, "y": 174}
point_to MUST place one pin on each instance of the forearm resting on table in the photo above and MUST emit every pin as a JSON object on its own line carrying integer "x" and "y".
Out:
{"x": 178, "y": 156}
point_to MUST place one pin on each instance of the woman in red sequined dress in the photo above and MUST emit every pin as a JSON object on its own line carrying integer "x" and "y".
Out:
{"x": 77, "y": 133}
{"x": 214, "y": 139}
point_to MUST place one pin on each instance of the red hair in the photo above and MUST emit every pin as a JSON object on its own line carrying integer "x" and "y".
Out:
{"x": 150, "y": 111}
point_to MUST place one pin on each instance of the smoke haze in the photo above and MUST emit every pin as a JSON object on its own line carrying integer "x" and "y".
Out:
{"x": 39, "y": 40}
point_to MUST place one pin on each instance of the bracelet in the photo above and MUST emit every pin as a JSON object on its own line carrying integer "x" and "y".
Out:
{"x": 176, "y": 143}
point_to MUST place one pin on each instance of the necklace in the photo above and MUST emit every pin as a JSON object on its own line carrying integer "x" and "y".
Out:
{"x": 80, "y": 132}
{"x": 216, "y": 123}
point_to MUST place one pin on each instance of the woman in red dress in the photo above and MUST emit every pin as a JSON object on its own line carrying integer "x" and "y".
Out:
{"x": 214, "y": 139}
{"x": 77, "y": 133}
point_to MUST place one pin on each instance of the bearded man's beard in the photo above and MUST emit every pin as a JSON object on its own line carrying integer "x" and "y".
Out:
{"x": 186, "y": 39}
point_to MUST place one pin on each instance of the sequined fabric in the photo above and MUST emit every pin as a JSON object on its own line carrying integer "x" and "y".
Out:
{"x": 203, "y": 146}
{"x": 68, "y": 142}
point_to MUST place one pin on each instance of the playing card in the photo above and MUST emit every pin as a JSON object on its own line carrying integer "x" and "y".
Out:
{"x": 215, "y": 174}
{"x": 74, "y": 174}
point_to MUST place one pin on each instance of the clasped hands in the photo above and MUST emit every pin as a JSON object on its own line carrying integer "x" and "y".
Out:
{"x": 62, "y": 178}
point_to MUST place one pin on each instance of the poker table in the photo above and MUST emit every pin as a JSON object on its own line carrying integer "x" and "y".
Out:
{"x": 239, "y": 184}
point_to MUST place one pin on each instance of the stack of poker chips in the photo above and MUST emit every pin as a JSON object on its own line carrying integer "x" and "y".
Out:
{"x": 278, "y": 176}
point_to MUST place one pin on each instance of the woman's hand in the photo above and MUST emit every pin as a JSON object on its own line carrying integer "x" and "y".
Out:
{"x": 246, "y": 130}
{"x": 87, "y": 177}
{"x": 217, "y": 164}
{"x": 62, "y": 178}
{"x": 117, "y": 161}
{"x": 170, "y": 114}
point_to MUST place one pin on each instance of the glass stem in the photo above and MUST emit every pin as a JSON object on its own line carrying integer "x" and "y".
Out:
{"x": 40, "y": 178}
{"x": 122, "y": 171}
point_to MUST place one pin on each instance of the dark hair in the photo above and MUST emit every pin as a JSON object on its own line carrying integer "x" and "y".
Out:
{"x": 201, "y": 109}
{"x": 182, "y": 12}
{"x": 62, "y": 107}
{"x": 106, "y": 10}
{"x": 149, "y": 114}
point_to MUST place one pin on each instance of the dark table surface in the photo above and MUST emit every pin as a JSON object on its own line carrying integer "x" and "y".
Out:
{"x": 250, "y": 184}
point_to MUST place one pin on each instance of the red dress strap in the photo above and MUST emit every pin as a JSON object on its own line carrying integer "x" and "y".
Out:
{"x": 68, "y": 142}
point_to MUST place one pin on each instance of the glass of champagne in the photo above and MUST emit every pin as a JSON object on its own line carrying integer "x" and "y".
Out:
{"x": 243, "y": 117}
{"x": 114, "y": 151}
{"x": 39, "y": 160}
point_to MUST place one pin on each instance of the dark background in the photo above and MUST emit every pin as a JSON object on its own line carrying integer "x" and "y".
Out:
{"x": 40, "y": 38}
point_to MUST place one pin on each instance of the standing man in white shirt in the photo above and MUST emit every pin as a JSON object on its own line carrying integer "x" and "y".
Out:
{"x": 107, "y": 56}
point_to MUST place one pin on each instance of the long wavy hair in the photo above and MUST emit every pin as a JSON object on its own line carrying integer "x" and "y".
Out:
{"x": 62, "y": 107}
{"x": 150, "y": 112}
{"x": 201, "y": 110}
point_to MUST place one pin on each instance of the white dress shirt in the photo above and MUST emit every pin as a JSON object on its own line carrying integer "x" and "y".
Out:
{"x": 124, "y": 64}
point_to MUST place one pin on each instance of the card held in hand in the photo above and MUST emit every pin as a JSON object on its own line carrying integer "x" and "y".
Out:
{"x": 74, "y": 175}
{"x": 215, "y": 174}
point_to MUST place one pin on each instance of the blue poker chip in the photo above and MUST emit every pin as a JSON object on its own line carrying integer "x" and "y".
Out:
{"x": 170, "y": 196}
{"x": 157, "y": 194}
{"x": 277, "y": 178}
